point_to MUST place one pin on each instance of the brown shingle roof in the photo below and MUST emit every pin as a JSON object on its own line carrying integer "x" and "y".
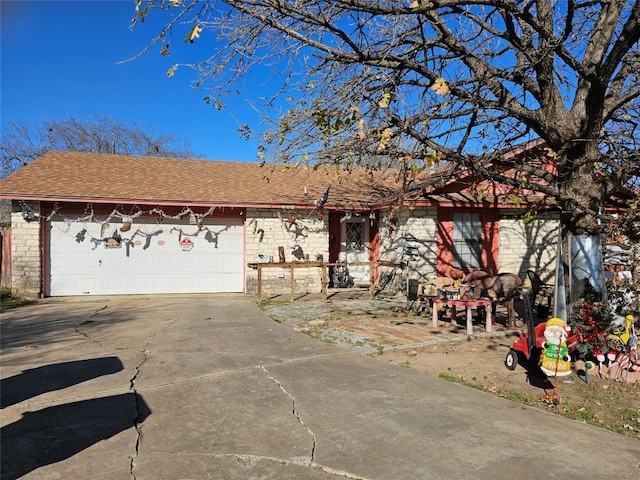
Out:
{"x": 92, "y": 177}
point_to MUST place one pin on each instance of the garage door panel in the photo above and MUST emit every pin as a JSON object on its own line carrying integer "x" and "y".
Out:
{"x": 160, "y": 263}
{"x": 154, "y": 262}
{"x": 84, "y": 263}
{"x": 189, "y": 262}
{"x": 139, "y": 283}
{"x": 112, "y": 285}
{"x": 138, "y": 263}
{"x": 84, "y": 284}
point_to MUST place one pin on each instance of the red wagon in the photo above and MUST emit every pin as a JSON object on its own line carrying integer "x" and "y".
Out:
{"x": 528, "y": 347}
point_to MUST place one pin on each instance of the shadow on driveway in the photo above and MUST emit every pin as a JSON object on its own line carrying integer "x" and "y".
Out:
{"x": 48, "y": 378}
{"x": 56, "y": 433}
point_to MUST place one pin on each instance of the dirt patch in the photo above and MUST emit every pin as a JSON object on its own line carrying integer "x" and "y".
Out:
{"x": 610, "y": 400}
{"x": 479, "y": 362}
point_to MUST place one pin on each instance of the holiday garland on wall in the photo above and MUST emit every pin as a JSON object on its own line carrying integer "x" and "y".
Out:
{"x": 111, "y": 234}
{"x": 30, "y": 215}
{"x": 126, "y": 220}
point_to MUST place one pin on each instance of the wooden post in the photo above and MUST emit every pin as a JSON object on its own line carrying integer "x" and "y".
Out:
{"x": 325, "y": 283}
{"x": 372, "y": 276}
{"x": 292, "y": 285}
{"x": 259, "y": 282}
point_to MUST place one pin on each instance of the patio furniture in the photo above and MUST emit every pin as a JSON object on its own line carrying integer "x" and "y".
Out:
{"x": 469, "y": 305}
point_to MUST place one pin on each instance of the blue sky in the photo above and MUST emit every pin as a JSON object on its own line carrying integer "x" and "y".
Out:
{"x": 60, "y": 59}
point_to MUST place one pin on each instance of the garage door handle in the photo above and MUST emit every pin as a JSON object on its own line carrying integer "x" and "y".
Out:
{"x": 99, "y": 263}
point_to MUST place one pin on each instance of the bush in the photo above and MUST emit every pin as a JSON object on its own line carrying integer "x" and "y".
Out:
{"x": 8, "y": 301}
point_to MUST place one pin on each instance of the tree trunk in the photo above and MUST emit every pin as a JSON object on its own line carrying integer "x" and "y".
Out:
{"x": 581, "y": 197}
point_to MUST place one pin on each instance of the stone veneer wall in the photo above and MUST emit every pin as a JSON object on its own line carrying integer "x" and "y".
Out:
{"x": 521, "y": 247}
{"x": 532, "y": 246}
{"x": 417, "y": 230}
{"x": 26, "y": 260}
{"x": 266, "y": 231}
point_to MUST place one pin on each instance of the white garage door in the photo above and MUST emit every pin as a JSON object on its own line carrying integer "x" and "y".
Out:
{"x": 151, "y": 257}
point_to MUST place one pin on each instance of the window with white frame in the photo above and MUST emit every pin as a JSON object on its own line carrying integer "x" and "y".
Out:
{"x": 467, "y": 240}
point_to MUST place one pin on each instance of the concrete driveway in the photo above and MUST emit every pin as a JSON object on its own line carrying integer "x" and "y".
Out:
{"x": 209, "y": 387}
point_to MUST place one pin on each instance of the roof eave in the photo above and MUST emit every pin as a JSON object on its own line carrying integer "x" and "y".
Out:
{"x": 195, "y": 203}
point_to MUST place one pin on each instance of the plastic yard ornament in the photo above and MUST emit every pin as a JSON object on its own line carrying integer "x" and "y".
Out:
{"x": 555, "y": 360}
{"x": 600, "y": 357}
{"x": 628, "y": 331}
{"x": 589, "y": 365}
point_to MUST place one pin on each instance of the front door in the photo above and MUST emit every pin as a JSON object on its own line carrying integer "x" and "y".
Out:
{"x": 354, "y": 247}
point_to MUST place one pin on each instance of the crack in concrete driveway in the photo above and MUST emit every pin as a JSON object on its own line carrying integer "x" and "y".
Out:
{"x": 295, "y": 414}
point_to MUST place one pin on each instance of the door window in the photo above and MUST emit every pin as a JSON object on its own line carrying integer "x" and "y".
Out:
{"x": 355, "y": 237}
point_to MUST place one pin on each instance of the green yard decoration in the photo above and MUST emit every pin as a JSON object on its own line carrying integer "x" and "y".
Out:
{"x": 593, "y": 321}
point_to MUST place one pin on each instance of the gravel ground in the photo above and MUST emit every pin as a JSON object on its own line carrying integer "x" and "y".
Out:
{"x": 344, "y": 303}
{"x": 353, "y": 320}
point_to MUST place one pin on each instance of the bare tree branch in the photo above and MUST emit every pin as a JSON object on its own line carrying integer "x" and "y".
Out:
{"x": 22, "y": 143}
{"x": 459, "y": 81}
